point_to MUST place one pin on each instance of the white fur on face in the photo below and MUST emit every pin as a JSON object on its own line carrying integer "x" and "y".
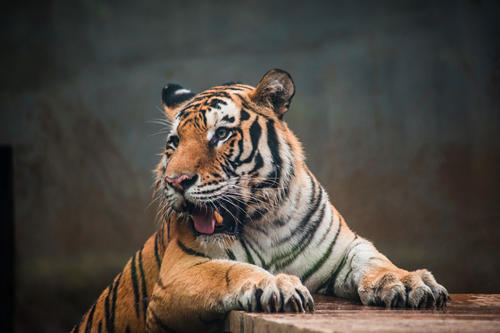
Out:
{"x": 215, "y": 116}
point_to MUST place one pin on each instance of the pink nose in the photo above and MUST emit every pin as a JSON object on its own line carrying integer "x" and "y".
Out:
{"x": 182, "y": 182}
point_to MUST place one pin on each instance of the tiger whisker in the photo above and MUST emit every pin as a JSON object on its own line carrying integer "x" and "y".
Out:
{"x": 244, "y": 211}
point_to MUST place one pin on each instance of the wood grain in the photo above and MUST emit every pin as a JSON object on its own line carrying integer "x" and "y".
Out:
{"x": 465, "y": 313}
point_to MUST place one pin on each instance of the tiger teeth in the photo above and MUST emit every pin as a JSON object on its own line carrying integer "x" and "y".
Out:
{"x": 218, "y": 218}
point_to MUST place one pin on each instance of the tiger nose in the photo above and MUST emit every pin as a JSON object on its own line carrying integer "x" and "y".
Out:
{"x": 183, "y": 182}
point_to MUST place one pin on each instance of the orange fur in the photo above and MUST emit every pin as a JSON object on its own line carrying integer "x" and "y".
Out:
{"x": 171, "y": 284}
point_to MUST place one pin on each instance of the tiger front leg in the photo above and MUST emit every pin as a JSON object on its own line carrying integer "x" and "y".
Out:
{"x": 376, "y": 281}
{"x": 196, "y": 294}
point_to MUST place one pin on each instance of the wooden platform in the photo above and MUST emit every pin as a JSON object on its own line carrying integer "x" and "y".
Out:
{"x": 465, "y": 313}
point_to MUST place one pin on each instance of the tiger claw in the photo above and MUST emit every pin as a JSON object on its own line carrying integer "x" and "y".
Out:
{"x": 283, "y": 293}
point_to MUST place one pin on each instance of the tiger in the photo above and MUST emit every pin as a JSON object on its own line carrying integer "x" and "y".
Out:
{"x": 245, "y": 225}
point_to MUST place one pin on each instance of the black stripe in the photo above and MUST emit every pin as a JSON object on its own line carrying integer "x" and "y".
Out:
{"x": 249, "y": 255}
{"x": 318, "y": 264}
{"x": 289, "y": 176}
{"x": 210, "y": 191}
{"x": 203, "y": 100}
{"x": 259, "y": 163}
{"x": 144, "y": 289}
{"x": 255, "y": 131}
{"x": 228, "y": 119}
{"x": 110, "y": 312}
{"x": 228, "y": 171}
{"x": 99, "y": 327}
{"x": 109, "y": 325}
{"x": 162, "y": 285}
{"x": 201, "y": 263}
{"x": 90, "y": 319}
{"x": 240, "y": 144}
{"x": 274, "y": 146}
{"x": 329, "y": 227}
{"x": 330, "y": 282}
{"x": 251, "y": 238}
{"x": 302, "y": 244}
{"x": 350, "y": 261}
{"x": 215, "y": 93}
{"x": 230, "y": 254}
{"x": 283, "y": 221}
{"x": 135, "y": 284}
{"x": 184, "y": 112}
{"x": 214, "y": 103}
{"x": 263, "y": 263}
{"x": 315, "y": 201}
{"x": 347, "y": 275}
{"x": 115, "y": 295}
{"x": 191, "y": 251}
{"x": 274, "y": 177}
{"x": 244, "y": 115}
{"x": 203, "y": 118}
{"x": 157, "y": 256}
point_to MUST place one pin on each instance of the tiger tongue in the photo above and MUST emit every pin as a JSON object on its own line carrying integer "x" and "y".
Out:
{"x": 204, "y": 221}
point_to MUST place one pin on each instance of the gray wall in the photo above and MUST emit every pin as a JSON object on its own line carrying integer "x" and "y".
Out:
{"x": 397, "y": 105}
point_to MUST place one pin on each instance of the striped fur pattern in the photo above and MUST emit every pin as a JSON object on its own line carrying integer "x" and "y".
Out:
{"x": 122, "y": 306}
{"x": 230, "y": 156}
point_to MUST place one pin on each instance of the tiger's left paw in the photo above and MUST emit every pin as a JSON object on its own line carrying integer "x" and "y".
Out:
{"x": 415, "y": 290}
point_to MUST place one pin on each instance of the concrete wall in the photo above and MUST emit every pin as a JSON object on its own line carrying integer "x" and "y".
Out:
{"x": 397, "y": 105}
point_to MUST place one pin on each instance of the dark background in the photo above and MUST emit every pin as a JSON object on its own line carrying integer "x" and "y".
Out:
{"x": 397, "y": 104}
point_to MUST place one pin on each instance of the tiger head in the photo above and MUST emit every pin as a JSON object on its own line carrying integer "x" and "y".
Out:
{"x": 230, "y": 158}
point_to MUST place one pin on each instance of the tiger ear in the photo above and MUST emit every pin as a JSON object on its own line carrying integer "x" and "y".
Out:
{"x": 174, "y": 96}
{"x": 275, "y": 90}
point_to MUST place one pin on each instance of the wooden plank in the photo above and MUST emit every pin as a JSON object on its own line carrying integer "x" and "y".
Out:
{"x": 465, "y": 313}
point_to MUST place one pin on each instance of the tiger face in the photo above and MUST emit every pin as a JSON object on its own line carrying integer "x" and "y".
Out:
{"x": 229, "y": 156}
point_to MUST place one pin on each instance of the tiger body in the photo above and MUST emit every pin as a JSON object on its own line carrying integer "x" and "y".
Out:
{"x": 246, "y": 225}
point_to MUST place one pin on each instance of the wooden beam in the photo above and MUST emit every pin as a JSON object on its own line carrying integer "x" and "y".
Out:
{"x": 465, "y": 313}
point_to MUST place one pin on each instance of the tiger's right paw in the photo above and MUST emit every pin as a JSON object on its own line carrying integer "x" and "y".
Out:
{"x": 280, "y": 293}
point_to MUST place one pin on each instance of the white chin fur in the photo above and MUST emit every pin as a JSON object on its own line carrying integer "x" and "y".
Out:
{"x": 215, "y": 241}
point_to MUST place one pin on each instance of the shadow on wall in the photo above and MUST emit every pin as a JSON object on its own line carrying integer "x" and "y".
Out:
{"x": 397, "y": 106}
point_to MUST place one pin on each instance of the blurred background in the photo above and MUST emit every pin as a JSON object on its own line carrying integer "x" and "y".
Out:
{"x": 397, "y": 104}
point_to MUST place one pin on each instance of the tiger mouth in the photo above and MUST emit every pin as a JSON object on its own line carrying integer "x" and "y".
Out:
{"x": 208, "y": 221}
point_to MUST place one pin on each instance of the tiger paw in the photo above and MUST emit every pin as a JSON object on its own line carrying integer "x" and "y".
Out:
{"x": 417, "y": 290}
{"x": 280, "y": 293}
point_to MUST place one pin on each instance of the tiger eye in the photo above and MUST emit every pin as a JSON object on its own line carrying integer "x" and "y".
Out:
{"x": 221, "y": 133}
